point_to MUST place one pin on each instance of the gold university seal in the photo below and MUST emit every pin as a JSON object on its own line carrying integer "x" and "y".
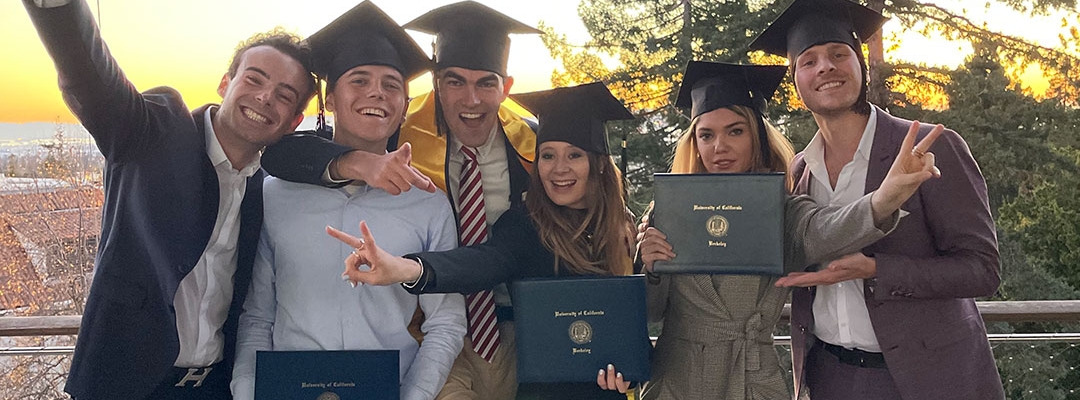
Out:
{"x": 581, "y": 332}
{"x": 717, "y": 225}
{"x": 328, "y": 396}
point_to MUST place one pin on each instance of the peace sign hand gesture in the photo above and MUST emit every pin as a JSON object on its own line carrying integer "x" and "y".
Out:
{"x": 385, "y": 269}
{"x": 914, "y": 164}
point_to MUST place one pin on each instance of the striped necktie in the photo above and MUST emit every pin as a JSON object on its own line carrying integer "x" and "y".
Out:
{"x": 473, "y": 230}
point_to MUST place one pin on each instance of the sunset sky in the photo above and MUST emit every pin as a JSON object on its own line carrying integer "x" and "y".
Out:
{"x": 187, "y": 44}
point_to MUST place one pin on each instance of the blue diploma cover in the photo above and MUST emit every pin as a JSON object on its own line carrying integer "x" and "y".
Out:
{"x": 327, "y": 375}
{"x": 570, "y": 328}
{"x": 721, "y": 223}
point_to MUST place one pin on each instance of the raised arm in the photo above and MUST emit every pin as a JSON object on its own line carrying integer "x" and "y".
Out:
{"x": 93, "y": 86}
{"x": 818, "y": 234}
{"x": 946, "y": 249}
{"x": 960, "y": 257}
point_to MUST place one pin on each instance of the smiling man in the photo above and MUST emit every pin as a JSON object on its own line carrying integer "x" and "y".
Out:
{"x": 298, "y": 300}
{"x": 183, "y": 208}
{"x": 461, "y": 126}
{"x": 898, "y": 320}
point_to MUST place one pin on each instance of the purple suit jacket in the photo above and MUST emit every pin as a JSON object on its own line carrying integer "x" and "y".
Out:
{"x": 941, "y": 256}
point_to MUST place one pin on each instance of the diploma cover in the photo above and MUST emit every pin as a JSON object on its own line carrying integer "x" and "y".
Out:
{"x": 721, "y": 223}
{"x": 327, "y": 375}
{"x": 568, "y": 329}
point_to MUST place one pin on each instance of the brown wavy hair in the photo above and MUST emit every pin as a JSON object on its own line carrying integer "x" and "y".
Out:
{"x": 589, "y": 241}
{"x": 686, "y": 159}
{"x": 288, "y": 43}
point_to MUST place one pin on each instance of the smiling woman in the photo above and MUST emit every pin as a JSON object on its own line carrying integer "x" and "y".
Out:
{"x": 573, "y": 223}
{"x": 563, "y": 169}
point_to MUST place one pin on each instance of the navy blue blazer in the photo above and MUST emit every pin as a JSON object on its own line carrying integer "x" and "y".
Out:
{"x": 161, "y": 202}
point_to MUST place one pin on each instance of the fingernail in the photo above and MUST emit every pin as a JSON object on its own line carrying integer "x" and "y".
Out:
{"x": 619, "y": 375}
{"x": 601, "y": 372}
{"x": 609, "y": 366}
{"x": 352, "y": 283}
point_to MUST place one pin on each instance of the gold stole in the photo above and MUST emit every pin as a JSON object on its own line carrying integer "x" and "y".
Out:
{"x": 429, "y": 149}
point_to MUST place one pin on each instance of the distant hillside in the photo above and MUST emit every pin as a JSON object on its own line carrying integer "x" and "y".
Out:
{"x": 32, "y": 133}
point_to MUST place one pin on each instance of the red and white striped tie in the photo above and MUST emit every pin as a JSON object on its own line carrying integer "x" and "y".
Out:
{"x": 473, "y": 230}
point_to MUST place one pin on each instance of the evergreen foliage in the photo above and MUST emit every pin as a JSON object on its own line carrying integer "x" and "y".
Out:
{"x": 1027, "y": 145}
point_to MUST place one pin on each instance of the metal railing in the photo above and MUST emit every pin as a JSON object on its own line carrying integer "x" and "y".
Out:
{"x": 992, "y": 311}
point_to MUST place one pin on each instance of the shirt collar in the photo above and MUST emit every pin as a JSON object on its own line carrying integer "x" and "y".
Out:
{"x": 814, "y": 154}
{"x": 867, "y": 141}
{"x": 484, "y": 150}
{"x": 217, "y": 154}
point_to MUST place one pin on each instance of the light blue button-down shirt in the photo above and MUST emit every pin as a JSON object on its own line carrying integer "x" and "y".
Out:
{"x": 298, "y": 300}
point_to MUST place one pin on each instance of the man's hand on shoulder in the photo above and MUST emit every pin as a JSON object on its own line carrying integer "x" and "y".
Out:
{"x": 392, "y": 172}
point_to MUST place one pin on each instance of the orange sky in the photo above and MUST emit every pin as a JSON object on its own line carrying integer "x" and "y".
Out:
{"x": 156, "y": 44}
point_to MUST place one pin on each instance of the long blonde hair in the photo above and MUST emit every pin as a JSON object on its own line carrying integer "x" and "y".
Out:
{"x": 589, "y": 241}
{"x": 686, "y": 159}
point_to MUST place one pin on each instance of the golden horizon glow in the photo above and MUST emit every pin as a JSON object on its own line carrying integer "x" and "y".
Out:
{"x": 187, "y": 45}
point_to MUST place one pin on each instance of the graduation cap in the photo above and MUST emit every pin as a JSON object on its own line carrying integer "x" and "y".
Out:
{"x": 365, "y": 35}
{"x": 574, "y": 114}
{"x": 707, "y": 86}
{"x": 470, "y": 35}
{"x": 808, "y": 23}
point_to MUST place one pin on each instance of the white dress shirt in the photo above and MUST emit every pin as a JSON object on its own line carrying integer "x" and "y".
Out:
{"x": 203, "y": 298}
{"x": 495, "y": 179}
{"x": 840, "y": 314}
{"x": 298, "y": 300}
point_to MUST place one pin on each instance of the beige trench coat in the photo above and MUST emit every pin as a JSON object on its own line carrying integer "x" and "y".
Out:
{"x": 717, "y": 336}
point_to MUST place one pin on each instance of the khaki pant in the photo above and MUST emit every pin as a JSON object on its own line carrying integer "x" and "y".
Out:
{"x": 473, "y": 378}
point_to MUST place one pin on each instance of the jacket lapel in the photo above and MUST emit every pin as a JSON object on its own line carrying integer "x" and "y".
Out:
{"x": 802, "y": 176}
{"x": 887, "y": 139}
{"x": 208, "y": 206}
{"x": 705, "y": 286}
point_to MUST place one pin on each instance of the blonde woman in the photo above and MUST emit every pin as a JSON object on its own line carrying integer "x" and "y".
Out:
{"x": 717, "y": 329}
